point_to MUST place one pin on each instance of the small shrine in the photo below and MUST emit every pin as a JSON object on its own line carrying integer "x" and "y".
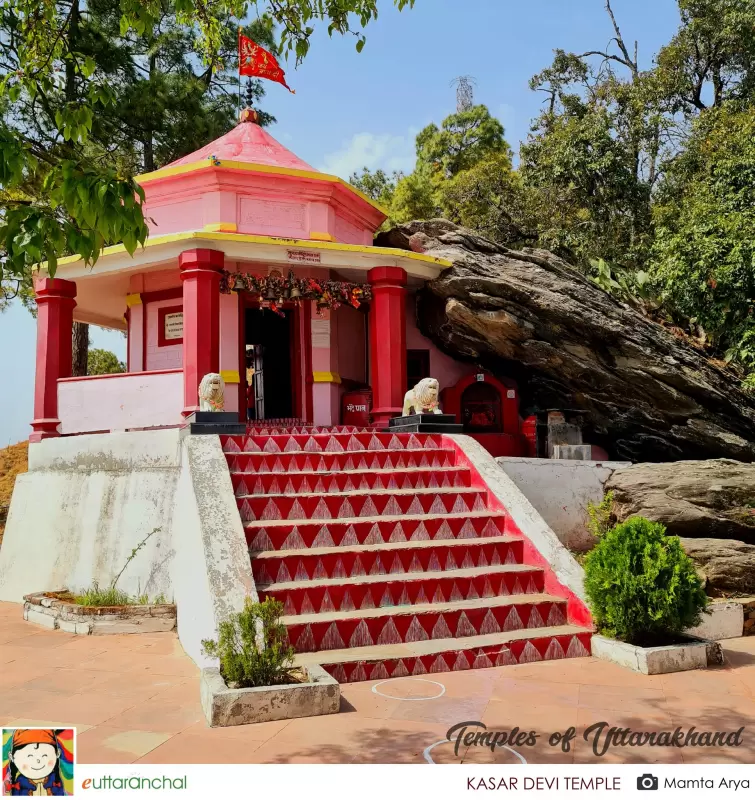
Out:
{"x": 259, "y": 268}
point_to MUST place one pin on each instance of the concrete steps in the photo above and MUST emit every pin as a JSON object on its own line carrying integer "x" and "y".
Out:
{"x": 387, "y": 556}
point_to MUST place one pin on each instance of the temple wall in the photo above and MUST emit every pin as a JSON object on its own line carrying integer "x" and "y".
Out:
{"x": 352, "y": 344}
{"x": 161, "y": 356}
{"x": 442, "y": 367}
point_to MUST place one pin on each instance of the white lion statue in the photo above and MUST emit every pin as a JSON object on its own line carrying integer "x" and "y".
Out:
{"x": 212, "y": 393}
{"x": 422, "y": 399}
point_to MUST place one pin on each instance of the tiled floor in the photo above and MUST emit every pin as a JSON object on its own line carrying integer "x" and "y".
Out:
{"x": 136, "y": 699}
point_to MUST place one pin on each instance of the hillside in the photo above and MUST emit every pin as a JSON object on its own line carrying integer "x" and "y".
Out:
{"x": 13, "y": 460}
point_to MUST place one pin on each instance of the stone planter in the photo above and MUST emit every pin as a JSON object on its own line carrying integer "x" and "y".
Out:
{"x": 224, "y": 707}
{"x": 691, "y": 654}
{"x": 43, "y": 608}
{"x": 723, "y": 620}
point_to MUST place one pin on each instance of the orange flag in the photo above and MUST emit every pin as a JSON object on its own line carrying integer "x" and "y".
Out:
{"x": 255, "y": 61}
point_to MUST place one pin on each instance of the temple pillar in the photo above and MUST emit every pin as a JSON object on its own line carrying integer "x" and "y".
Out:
{"x": 200, "y": 273}
{"x": 55, "y": 304}
{"x": 387, "y": 342}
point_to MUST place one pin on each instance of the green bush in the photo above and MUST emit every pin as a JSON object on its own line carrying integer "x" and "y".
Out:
{"x": 243, "y": 663}
{"x": 641, "y": 586}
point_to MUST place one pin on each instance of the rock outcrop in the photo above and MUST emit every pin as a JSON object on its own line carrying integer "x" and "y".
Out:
{"x": 707, "y": 499}
{"x": 728, "y": 566}
{"x": 642, "y": 393}
{"x": 710, "y": 505}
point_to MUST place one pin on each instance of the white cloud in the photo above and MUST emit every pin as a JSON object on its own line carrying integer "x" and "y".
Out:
{"x": 372, "y": 150}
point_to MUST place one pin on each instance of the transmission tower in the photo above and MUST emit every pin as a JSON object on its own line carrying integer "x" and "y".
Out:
{"x": 464, "y": 92}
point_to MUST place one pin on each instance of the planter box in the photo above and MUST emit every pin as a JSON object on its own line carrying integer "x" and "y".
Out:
{"x": 51, "y": 612}
{"x": 725, "y": 621}
{"x": 652, "y": 660}
{"x": 224, "y": 707}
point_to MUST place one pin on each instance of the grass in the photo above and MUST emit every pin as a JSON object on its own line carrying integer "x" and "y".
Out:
{"x": 13, "y": 461}
{"x": 111, "y": 596}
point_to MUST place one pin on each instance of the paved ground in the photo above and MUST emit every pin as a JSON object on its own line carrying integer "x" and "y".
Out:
{"x": 136, "y": 699}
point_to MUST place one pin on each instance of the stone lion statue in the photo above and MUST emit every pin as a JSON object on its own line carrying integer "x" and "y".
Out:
{"x": 423, "y": 398}
{"x": 212, "y": 393}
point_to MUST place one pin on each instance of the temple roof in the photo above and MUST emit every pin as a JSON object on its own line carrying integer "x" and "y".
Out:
{"x": 248, "y": 143}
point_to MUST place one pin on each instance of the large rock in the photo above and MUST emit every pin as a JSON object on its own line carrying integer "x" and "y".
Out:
{"x": 643, "y": 393}
{"x": 726, "y": 564}
{"x": 710, "y": 499}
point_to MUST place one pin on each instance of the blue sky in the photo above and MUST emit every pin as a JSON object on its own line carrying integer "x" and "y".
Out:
{"x": 352, "y": 110}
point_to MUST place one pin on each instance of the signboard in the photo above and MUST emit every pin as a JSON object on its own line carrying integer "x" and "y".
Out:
{"x": 321, "y": 333}
{"x": 174, "y": 326}
{"x": 304, "y": 256}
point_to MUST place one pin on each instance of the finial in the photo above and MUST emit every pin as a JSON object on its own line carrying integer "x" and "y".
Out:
{"x": 249, "y": 115}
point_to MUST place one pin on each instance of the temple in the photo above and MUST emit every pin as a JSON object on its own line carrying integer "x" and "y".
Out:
{"x": 262, "y": 269}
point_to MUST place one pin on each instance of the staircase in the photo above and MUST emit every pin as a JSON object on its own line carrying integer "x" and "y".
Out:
{"x": 387, "y": 560}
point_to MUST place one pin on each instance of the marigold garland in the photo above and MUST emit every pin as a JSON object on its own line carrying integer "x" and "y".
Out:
{"x": 275, "y": 290}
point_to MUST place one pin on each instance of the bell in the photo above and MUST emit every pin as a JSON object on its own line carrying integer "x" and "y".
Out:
{"x": 281, "y": 300}
{"x": 270, "y": 293}
{"x": 294, "y": 294}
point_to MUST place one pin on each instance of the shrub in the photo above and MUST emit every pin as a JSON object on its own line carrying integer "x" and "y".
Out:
{"x": 599, "y": 516}
{"x": 641, "y": 586}
{"x": 243, "y": 663}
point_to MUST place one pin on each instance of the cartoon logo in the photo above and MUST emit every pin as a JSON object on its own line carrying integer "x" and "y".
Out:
{"x": 38, "y": 762}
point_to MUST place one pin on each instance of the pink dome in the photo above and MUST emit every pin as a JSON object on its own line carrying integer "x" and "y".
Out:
{"x": 250, "y": 143}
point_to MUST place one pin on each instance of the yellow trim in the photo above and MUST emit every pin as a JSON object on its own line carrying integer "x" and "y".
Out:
{"x": 244, "y": 166}
{"x": 230, "y": 375}
{"x": 221, "y": 227}
{"x": 321, "y": 237}
{"x": 133, "y": 300}
{"x": 247, "y": 238}
{"x": 326, "y": 377}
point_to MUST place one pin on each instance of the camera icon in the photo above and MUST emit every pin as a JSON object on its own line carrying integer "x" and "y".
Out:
{"x": 647, "y": 782}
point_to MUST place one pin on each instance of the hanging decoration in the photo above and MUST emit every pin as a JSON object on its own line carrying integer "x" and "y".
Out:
{"x": 275, "y": 290}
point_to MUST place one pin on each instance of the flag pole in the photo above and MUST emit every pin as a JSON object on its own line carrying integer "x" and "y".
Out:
{"x": 238, "y": 47}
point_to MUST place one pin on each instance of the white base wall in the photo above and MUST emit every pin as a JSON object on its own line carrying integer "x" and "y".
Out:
{"x": 560, "y": 490}
{"x": 87, "y": 501}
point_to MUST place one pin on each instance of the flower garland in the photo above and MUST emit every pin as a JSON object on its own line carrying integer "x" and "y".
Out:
{"x": 274, "y": 290}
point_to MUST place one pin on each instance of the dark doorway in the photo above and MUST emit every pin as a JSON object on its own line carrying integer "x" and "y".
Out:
{"x": 270, "y": 337}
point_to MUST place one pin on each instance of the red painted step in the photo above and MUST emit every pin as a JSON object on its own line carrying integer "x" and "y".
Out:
{"x": 393, "y": 625}
{"x": 450, "y": 655}
{"x": 289, "y": 535}
{"x": 257, "y": 463}
{"x": 368, "y": 504}
{"x": 352, "y": 481}
{"x": 301, "y": 595}
{"x": 329, "y": 443}
{"x": 382, "y": 559}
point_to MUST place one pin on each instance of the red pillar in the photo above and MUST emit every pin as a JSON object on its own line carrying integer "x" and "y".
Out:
{"x": 387, "y": 342}
{"x": 55, "y": 304}
{"x": 200, "y": 273}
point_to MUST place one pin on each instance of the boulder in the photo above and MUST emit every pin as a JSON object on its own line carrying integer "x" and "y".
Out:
{"x": 641, "y": 392}
{"x": 693, "y": 499}
{"x": 727, "y": 565}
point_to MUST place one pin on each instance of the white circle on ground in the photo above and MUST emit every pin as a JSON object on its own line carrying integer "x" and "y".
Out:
{"x": 422, "y": 680}
{"x": 426, "y": 752}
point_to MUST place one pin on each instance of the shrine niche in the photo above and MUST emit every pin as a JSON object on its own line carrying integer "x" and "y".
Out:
{"x": 488, "y": 408}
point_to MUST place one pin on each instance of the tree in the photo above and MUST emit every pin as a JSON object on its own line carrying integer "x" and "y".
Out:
{"x": 704, "y": 249}
{"x": 490, "y": 198}
{"x": 103, "y": 362}
{"x": 80, "y": 204}
{"x": 378, "y": 186}
{"x": 463, "y": 140}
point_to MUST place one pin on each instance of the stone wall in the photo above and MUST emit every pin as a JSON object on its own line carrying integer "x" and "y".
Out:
{"x": 560, "y": 491}
{"x": 88, "y": 501}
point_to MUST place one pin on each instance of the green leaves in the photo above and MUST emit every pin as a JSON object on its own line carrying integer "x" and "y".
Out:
{"x": 641, "y": 586}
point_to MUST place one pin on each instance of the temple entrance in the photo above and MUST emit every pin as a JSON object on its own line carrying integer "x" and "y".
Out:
{"x": 269, "y": 347}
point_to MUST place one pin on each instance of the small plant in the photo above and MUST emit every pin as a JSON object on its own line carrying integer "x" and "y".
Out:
{"x": 641, "y": 586}
{"x": 111, "y": 596}
{"x": 253, "y": 646}
{"x": 599, "y": 516}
